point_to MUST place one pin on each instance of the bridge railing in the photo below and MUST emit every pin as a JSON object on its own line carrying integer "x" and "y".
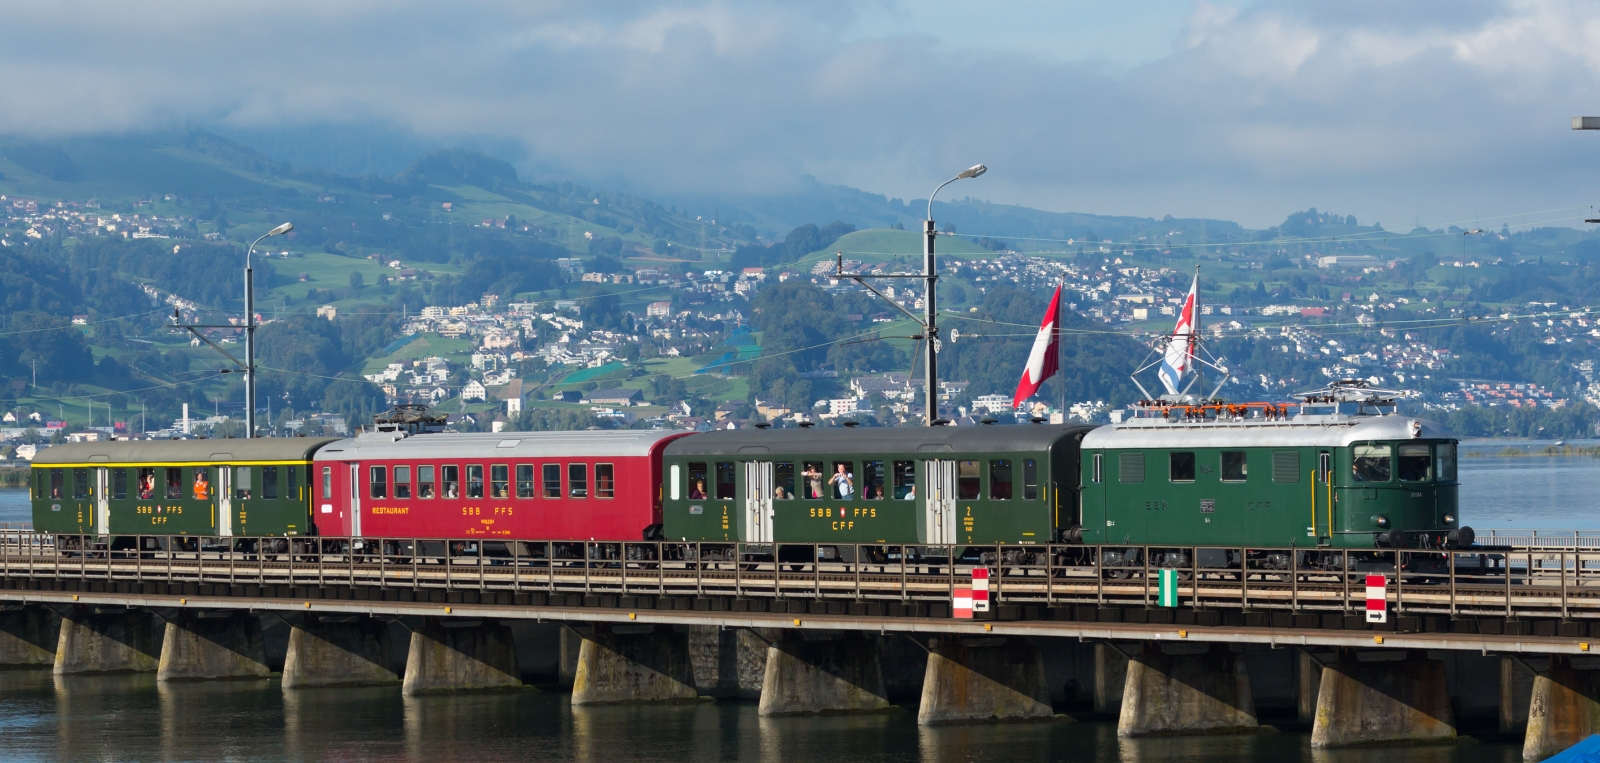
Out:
{"x": 1528, "y": 582}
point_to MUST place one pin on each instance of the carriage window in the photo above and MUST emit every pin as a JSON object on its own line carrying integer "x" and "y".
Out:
{"x": 379, "y": 482}
{"x": 292, "y": 489}
{"x": 57, "y": 487}
{"x": 174, "y": 483}
{"x": 499, "y": 481}
{"x": 872, "y": 480}
{"x": 726, "y": 488}
{"x": 1234, "y": 466}
{"x": 842, "y": 480}
{"x": 605, "y": 481}
{"x": 1095, "y": 473}
{"x": 1415, "y": 463}
{"x": 1130, "y": 466}
{"x": 524, "y": 480}
{"x": 1030, "y": 480}
{"x": 327, "y": 483}
{"x": 402, "y": 482}
{"x": 578, "y": 480}
{"x": 80, "y": 483}
{"x": 269, "y": 482}
{"x": 1447, "y": 462}
{"x": 676, "y": 485}
{"x": 1286, "y": 466}
{"x": 241, "y": 482}
{"x": 1000, "y": 480}
{"x": 1182, "y": 465}
{"x": 967, "y": 480}
{"x": 119, "y": 484}
{"x": 697, "y": 481}
{"x": 811, "y": 480}
{"x": 146, "y": 487}
{"x": 450, "y": 476}
{"x": 1371, "y": 463}
{"x": 474, "y": 480}
{"x": 552, "y": 480}
{"x": 905, "y": 480}
{"x": 202, "y": 483}
{"x": 425, "y": 482}
{"x": 783, "y": 481}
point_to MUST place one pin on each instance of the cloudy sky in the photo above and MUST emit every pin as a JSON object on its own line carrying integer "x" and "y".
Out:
{"x": 1438, "y": 111}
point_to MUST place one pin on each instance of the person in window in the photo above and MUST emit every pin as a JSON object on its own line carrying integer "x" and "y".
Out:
{"x": 911, "y": 493}
{"x": 843, "y": 482}
{"x": 813, "y": 481}
{"x": 147, "y": 486}
{"x": 55, "y": 491}
{"x": 698, "y": 491}
{"x": 779, "y": 494}
{"x": 202, "y": 486}
{"x": 878, "y": 493}
{"x": 452, "y": 491}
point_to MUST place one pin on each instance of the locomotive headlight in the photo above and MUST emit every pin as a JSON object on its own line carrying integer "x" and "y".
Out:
{"x": 1380, "y": 520}
{"x": 1449, "y": 519}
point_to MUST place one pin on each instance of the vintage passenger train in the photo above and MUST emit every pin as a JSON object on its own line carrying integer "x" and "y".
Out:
{"x": 1338, "y": 470}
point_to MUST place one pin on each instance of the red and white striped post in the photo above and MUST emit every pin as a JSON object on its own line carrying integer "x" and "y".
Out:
{"x": 980, "y": 589}
{"x": 1377, "y": 599}
{"x": 961, "y": 603}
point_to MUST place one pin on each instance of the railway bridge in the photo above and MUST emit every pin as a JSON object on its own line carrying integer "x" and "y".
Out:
{"x": 1499, "y": 635}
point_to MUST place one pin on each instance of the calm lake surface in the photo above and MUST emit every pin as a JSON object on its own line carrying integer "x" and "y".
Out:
{"x": 132, "y": 718}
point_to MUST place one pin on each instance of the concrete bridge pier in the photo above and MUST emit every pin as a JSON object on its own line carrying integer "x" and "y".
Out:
{"x": 106, "y": 640}
{"x": 1372, "y": 697}
{"x": 210, "y": 645}
{"x": 627, "y": 663}
{"x": 823, "y": 672}
{"x": 28, "y": 637}
{"x": 1180, "y": 688}
{"x": 1564, "y": 708}
{"x": 729, "y": 663}
{"x": 983, "y": 679}
{"x": 1110, "y": 677}
{"x": 1516, "y": 688}
{"x": 449, "y": 655}
{"x": 346, "y": 650}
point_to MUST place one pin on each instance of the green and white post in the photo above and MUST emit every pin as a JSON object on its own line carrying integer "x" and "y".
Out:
{"x": 1168, "y": 592}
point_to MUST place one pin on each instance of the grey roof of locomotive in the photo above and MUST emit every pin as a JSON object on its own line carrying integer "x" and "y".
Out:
{"x": 1020, "y": 438}
{"x": 1301, "y": 431}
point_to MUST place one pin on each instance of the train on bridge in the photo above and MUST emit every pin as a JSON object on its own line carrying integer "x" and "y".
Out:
{"x": 1340, "y": 469}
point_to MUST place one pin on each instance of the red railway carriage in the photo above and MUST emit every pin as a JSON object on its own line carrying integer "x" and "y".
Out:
{"x": 514, "y": 485}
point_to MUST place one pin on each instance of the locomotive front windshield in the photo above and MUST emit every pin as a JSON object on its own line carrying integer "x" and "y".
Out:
{"x": 1411, "y": 462}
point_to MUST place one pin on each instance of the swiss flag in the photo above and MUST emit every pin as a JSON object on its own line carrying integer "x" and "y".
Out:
{"x": 1043, "y": 359}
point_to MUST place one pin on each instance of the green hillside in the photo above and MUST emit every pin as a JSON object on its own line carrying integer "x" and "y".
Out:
{"x": 885, "y": 244}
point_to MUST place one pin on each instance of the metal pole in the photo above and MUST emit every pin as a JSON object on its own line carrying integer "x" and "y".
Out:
{"x": 930, "y": 333}
{"x": 249, "y": 346}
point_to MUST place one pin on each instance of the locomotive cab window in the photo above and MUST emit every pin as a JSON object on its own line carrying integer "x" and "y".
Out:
{"x": 1370, "y": 463}
{"x": 241, "y": 482}
{"x": 402, "y": 482}
{"x": 451, "y": 477}
{"x": 783, "y": 481}
{"x": 697, "y": 481}
{"x": 967, "y": 480}
{"x": 605, "y": 481}
{"x": 1030, "y": 480}
{"x": 1182, "y": 466}
{"x": 499, "y": 481}
{"x": 1234, "y": 466}
{"x": 726, "y": 487}
{"x": 474, "y": 480}
{"x": 872, "y": 480}
{"x": 1414, "y": 463}
{"x": 425, "y": 481}
{"x": 1000, "y": 479}
{"x": 525, "y": 481}
{"x": 578, "y": 480}
{"x": 119, "y": 484}
{"x": 552, "y": 480}
{"x": 812, "y": 479}
{"x": 379, "y": 482}
{"x": 1447, "y": 462}
{"x": 905, "y": 480}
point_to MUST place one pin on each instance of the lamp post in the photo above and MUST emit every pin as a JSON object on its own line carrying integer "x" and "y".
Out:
{"x": 930, "y": 272}
{"x": 250, "y": 331}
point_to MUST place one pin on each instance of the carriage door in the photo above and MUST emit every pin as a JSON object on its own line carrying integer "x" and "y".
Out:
{"x": 225, "y": 477}
{"x": 355, "y": 500}
{"x": 758, "y": 511}
{"x": 102, "y": 500}
{"x": 939, "y": 504}
{"x": 1322, "y": 482}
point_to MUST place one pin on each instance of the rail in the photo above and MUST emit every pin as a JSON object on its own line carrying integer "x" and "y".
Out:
{"x": 1519, "y": 583}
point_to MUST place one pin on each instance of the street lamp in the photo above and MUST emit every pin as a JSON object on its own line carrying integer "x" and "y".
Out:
{"x": 930, "y": 333}
{"x": 250, "y": 331}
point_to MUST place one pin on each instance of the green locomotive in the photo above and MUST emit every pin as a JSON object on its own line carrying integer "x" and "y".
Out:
{"x": 209, "y": 488}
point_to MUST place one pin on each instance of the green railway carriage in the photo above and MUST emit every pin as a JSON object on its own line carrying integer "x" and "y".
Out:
{"x": 1332, "y": 477}
{"x": 212, "y": 488}
{"x": 936, "y": 485}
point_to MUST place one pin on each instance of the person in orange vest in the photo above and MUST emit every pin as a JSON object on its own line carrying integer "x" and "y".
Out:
{"x": 202, "y": 488}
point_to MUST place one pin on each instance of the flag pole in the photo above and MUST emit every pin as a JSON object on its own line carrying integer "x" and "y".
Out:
{"x": 1061, "y": 348}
